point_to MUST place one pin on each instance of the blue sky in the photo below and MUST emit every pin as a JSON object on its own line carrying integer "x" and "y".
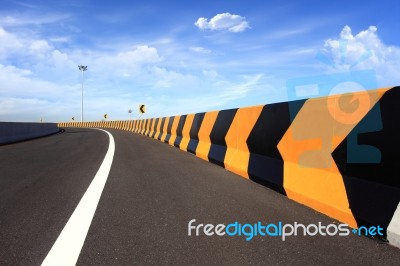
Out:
{"x": 180, "y": 57}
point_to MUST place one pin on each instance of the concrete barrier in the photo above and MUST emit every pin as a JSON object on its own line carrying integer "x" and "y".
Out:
{"x": 13, "y": 132}
{"x": 393, "y": 230}
{"x": 337, "y": 154}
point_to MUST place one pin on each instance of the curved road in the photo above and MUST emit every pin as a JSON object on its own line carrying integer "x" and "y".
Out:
{"x": 153, "y": 190}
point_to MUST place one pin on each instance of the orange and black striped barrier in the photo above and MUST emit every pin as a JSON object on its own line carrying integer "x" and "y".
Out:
{"x": 337, "y": 154}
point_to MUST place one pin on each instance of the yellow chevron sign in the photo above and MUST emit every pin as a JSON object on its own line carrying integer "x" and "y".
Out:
{"x": 142, "y": 108}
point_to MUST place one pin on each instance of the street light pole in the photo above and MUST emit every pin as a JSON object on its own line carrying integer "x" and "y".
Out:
{"x": 83, "y": 69}
{"x": 130, "y": 114}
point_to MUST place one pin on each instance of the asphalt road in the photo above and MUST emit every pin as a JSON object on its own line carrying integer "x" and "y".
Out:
{"x": 153, "y": 190}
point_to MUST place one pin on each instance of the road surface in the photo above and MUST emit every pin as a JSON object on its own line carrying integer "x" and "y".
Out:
{"x": 151, "y": 193}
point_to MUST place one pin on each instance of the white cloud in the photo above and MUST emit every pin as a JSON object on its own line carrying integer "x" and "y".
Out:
{"x": 363, "y": 51}
{"x": 210, "y": 74}
{"x": 7, "y": 71}
{"x": 60, "y": 39}
{"x": 200, "y": 50}
{"x": 18, "y": 106}
{"x": 125, "y": 63}
{"x": 237, "y": 91}
{"x": 136, "y": 56}
{"x": 8, "y": 43}
{"x": 224, "y": 21}
{"x": 286, "y": 33}
{"x": 20, "y": 45}
{"x": 32, "y": 20}
{"x": 60, "y": 59}
{"x": 165, "y": 78}
{"x": 220, "y": 95}
{"x": 141, "y": 54}
{"x": 16, "y": 82}
{"x": 39, "y": 47}
{"x": 25, "y": 98}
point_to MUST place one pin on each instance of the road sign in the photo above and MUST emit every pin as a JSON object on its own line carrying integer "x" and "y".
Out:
{"x": 142, "y": 108}
{"x": 73, "y": 118}
{"x": 105, "y": 116}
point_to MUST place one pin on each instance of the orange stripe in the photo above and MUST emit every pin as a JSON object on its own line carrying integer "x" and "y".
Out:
{"x": 151, "y": 121}
{"x": 186, "y": 132}
{"x": 204, "y": 145}
{"x": 237, "y": 153}
{"x": 158, "y": 128}
{"x": 147, "y": 127}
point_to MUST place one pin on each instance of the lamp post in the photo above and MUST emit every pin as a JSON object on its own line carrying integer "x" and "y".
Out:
{"x": 83, "y": 69}
{"x": 130, "y": 114}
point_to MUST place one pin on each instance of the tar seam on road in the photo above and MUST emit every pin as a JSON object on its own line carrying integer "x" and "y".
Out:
{"x": 69, "y": 243}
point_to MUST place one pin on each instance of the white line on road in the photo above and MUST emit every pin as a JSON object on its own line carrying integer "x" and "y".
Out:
{"x": 69, "y": 243}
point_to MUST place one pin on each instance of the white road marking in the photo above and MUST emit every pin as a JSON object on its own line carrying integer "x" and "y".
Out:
{"x": 69, "y": 243}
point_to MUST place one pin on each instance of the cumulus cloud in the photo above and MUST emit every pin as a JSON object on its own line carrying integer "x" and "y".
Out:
{"x": 137, "y": 55}
{"x": 18, "y": 106}
{"x": 224, "y": 21}
{"x": 39, "y": 47}
{"x": 141, "y": 54}
{"x": 18, "y": 82}
{"x": 8, "y": 43}
{"x": 7, "y": 71}
{"x": 361, "y": 51}
{"x": 125, "y": 63}
{"x": 200, "y": 50}
{"x": 20, "y": 45}
{"x": 25, "y": 98}
{"x": 166, "y": 78}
